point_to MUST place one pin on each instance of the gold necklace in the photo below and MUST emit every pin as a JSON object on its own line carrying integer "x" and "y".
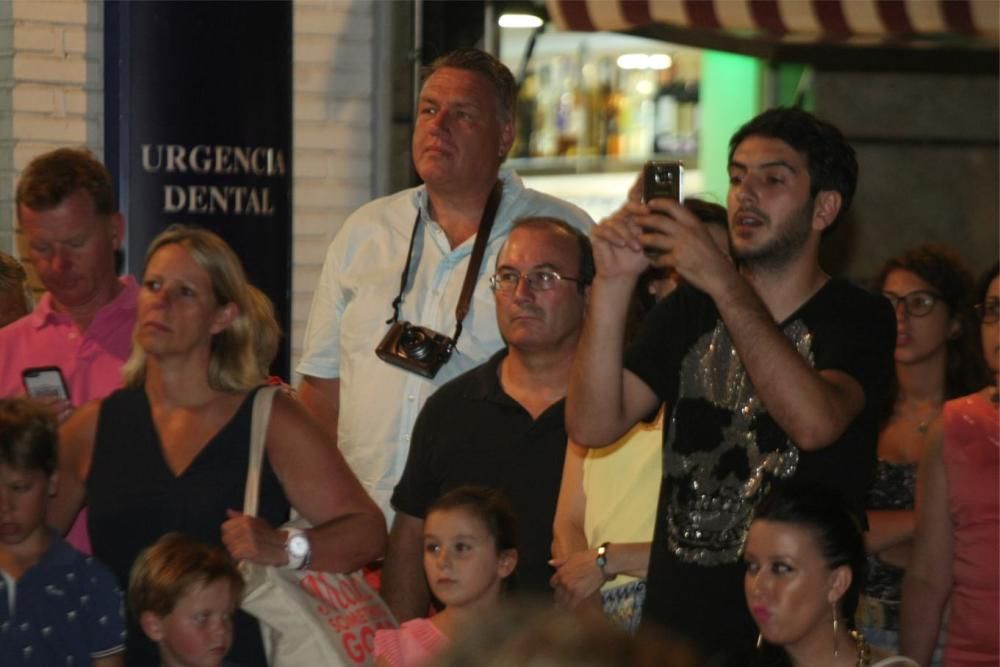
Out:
{"x": 923, "y": 425}
{"x": 864, "y": 651}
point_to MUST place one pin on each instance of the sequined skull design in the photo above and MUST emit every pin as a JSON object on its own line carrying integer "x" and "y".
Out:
{"x": 721, "y": 450}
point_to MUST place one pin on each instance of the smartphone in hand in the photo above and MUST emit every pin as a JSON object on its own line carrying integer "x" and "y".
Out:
{"x": 45, "y": 381}
{"x": 661, "y": 180}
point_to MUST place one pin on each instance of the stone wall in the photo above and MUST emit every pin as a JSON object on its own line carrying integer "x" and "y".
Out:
{"x": 927, "y": 147}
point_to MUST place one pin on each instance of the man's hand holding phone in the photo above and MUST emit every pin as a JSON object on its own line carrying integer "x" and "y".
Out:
{"x": 47, "y": 387}
{"x": 681, "y": 242}
{"x": 618, "y": 252}
{"x": 660, "y": 180}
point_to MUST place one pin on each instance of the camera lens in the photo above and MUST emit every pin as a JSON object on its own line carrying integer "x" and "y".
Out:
{"x": 415, "y": 343}
{"x": 662, "y": 175}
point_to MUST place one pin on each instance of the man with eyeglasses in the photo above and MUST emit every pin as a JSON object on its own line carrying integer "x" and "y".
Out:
{"x": 501, "y": 425}
{"x": 769, "y": 370}
{"x": 464, "y": 129}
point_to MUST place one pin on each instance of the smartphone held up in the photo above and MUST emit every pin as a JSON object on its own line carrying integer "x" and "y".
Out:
{"x": 661, "y": 180}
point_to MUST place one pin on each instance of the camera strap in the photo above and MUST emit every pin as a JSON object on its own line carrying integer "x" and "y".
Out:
{"x": 475, "y": 261}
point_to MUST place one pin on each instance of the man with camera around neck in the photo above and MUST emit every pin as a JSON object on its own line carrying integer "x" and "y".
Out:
{"x": 502, "y": 424}
{"x": 769, "y": 370}
{"x": 464, "y": 129}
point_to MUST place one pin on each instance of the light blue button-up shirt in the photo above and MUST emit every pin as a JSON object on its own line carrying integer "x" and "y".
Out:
{"x": 379, "y": 403}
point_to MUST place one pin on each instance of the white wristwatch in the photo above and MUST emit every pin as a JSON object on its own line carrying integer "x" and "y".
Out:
{"x": 298, "y": 549}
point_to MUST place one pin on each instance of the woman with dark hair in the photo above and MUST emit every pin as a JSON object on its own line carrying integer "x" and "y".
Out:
{"x": 805, "y": 561}
{"x": 936, "y": 359}
{"x": 958, "y": 528}
{"x": 170, "y": 451}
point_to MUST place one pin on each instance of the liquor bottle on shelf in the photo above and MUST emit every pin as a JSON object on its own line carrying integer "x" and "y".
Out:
{"x": 571, "y": 109}
{"x": 599, "y": 102}
{"x": 545, "y": 134}
{"x": 687, "y": 118}
{"x": 525, "y": 121}
{"x": 665, "y": 137}
{"x": 614, "y": 113}
{"x": 637, "y": 124}
{"x": 589, "y": 97}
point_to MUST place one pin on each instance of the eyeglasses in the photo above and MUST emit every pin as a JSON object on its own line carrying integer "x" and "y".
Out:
{"x": 916, "y": 304}
{"x": 542, "y": 280}
{"x": 989, "y": 310}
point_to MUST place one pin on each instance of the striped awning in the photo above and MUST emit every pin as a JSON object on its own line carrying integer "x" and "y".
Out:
{"x": 793, "y": 20}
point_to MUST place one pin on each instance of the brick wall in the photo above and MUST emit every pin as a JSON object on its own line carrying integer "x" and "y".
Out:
{"x": 334, "y": 71}
{"x": 52, "y": 94}
{"x": 51, "y": 87}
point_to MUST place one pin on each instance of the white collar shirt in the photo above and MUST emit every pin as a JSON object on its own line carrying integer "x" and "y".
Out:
{"x": 379, "y": 403}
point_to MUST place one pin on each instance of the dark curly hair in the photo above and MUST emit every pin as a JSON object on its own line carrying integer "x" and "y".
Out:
{"x": 940, "y": 267}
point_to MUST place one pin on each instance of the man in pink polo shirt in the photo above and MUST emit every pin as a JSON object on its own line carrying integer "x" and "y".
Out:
{"x": 83, "y": 325}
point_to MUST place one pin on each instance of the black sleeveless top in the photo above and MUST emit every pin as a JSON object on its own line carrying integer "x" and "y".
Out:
{"x": 134, "y": 498}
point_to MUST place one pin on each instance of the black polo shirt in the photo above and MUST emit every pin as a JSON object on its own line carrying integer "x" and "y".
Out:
{"x": 471, "y": 432}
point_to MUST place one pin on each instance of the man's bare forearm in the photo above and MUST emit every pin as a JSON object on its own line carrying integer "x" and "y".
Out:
{"x": 594, "y": 402}
{"x": 814, "y": 410}
{"x": 404, "y": 586}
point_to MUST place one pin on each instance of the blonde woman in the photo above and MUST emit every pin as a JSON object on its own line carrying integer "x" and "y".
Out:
{"x": 169, "y": 452}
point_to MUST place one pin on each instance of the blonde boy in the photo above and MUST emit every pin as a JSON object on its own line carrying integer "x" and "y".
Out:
{"x": 184, "y": 594}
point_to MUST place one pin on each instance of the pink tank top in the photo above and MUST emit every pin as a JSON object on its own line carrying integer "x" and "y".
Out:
{"x": 972, "y": 464}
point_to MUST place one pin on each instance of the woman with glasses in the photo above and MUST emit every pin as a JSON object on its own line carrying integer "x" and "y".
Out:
{"x": 936, "y": 359}
{"x": 958, "y": 528}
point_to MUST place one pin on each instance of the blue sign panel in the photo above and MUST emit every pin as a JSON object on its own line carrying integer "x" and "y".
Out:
{"x": 199, "y": 130}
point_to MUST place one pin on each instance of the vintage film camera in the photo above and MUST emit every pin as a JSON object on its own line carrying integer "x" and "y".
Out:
{"x": 415, "y": 348}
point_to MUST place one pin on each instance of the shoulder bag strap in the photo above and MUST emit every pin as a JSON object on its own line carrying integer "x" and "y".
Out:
{"x": 262, "y": 402}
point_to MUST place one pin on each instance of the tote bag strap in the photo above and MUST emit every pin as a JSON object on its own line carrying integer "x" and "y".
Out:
{"x": 262, "y": 402}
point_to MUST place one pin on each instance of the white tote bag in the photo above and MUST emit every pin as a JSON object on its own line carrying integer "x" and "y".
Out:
{"x": 308, "y": 618}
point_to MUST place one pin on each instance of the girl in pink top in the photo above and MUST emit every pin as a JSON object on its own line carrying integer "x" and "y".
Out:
{"x": 958, "y": 529}
{"x": 469, "y": 551}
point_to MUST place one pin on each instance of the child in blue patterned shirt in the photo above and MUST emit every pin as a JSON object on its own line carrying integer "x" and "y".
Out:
{"x": 57, "y": 605}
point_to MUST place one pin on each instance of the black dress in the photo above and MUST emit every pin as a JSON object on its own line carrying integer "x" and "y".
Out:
{"x": 134, "y": 498}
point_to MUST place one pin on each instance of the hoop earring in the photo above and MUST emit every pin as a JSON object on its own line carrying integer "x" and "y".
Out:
{"x": 836, "y": 648}
{"x": 760, "y": 641}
